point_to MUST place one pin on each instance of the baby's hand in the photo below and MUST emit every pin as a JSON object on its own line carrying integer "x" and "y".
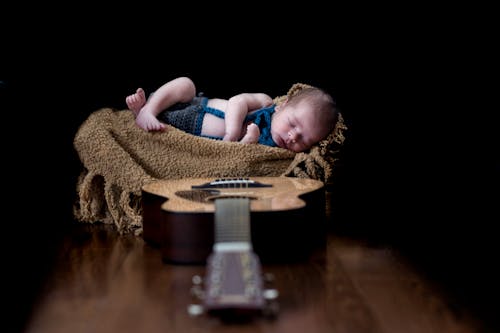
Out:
{"x": 252, "y": 134}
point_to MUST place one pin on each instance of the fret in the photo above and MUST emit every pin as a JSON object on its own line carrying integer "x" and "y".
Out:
{"x": 232, "y": 220}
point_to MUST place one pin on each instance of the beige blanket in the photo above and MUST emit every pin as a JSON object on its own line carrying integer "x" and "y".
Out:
{"x": 118, "y": 158}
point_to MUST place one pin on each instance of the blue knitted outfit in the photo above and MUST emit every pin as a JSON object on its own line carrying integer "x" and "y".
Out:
{"x": 189, "y": 116}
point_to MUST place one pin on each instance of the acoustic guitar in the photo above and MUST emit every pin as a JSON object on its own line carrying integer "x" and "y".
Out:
{"x": 286, "y": 216}
{"x": 233, "y": 287}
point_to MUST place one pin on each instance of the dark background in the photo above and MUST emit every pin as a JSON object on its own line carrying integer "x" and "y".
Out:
{"x": 419, "y": 169}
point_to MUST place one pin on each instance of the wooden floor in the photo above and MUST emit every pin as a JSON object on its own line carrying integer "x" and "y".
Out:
{"x": 102, "y": 282}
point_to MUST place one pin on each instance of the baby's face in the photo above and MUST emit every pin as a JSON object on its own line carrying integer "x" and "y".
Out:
{"x": 296, "y": 127}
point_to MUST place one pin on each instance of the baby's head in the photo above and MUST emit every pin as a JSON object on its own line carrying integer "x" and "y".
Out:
{"x": 303, "y": 119}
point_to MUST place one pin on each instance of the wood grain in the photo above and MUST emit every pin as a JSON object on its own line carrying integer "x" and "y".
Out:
{"x": 106, "y": 283}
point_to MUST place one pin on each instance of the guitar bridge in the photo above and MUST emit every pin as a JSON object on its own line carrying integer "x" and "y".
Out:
{"x": 231, "y": 183}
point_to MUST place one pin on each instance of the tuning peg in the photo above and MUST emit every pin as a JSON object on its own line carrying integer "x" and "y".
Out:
{"x": 195, "y": 310}
{"x": 270, "y": 294}
{"x": 197, "y": 288}
{"x": 271, "y": 309}
{"x": 197, "y": 280}
{"x": 197, "y": 292}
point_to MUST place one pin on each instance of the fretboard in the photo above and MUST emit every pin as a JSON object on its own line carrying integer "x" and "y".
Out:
{"x": 232, "y": 224}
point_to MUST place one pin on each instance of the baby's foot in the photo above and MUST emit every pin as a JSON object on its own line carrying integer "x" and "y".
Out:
{"x": 252, "y": 134}
{"x": 148, "y": 121}
{"x": 136, "y": 101}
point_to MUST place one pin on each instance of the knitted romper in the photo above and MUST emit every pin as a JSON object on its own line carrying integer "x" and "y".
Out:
{"x": 189, "y": 116}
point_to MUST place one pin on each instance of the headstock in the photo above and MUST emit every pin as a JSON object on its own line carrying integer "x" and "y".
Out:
{"x": 234, "y": 287}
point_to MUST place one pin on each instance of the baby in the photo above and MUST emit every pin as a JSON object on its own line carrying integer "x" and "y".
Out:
{"x": 297, "y": 123}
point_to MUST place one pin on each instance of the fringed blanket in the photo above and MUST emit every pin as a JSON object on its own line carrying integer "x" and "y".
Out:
{"x": 118, "y": 158}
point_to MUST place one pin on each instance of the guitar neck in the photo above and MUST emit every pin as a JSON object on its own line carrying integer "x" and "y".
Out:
{"x": 232, "y": 225}
{"x": 233, "y": 280}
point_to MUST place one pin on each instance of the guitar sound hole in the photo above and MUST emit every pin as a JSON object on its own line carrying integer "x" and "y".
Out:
{"x": 197, "y": 195}
{"x": 229, "y": 196}
{"x": 208, "y": 196}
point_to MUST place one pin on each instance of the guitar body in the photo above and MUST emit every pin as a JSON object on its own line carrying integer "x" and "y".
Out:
{"x": 287, "y": 216}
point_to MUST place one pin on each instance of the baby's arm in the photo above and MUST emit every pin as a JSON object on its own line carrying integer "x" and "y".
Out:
{"x": 237, "y": 108}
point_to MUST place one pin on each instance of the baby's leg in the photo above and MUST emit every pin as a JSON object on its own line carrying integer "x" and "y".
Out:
{"x": 136, "y": 101}
{"x": 252, "y": 134}
{"x": 178, "y": 90}
{"x": 143, "y": 118}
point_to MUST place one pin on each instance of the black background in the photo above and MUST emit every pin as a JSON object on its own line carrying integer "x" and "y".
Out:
{"x": 419, "y": 169}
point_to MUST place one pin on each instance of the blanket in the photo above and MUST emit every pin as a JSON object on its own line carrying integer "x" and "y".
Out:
{"x": 118, "y": 158}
